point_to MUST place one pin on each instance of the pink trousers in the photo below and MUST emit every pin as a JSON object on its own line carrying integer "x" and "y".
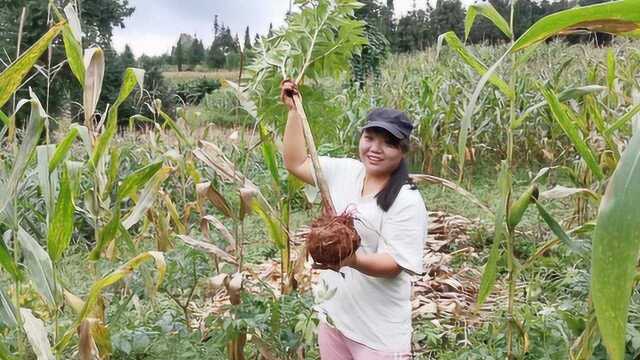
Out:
{"x": 335, "y": 346}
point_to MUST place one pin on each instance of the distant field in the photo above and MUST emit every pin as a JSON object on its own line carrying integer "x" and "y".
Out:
{"x": 184, "y": 76}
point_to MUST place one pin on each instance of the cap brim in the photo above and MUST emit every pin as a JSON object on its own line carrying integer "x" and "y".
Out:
{"x": 381, "y": 124}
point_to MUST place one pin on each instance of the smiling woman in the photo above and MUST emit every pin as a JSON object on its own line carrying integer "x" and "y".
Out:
{"x": 369, "y": 317}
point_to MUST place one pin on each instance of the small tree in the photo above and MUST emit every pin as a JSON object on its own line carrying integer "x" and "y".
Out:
{"x": 179, "y": 55}
{"x": 247, "y": 39}
{"x": 197, "y": 52}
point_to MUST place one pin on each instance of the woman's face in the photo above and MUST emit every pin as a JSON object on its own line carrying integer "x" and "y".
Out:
{"x": 379, "y": 157}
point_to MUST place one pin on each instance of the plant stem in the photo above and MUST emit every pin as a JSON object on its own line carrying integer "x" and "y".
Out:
{"x": 510, "y": 232}
{"x": 16, "y": 258}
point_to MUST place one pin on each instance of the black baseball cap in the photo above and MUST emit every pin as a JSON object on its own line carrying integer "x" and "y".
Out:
{"x": 394, "y": 121}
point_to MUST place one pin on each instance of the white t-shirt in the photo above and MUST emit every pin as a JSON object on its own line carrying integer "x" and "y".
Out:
{"x": 374, "y": 311}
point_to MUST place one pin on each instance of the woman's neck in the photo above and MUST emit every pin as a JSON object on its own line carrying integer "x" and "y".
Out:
{"x": 373, "y": 183}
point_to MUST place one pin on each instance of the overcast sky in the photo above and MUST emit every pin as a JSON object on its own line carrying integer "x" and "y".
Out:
{"x": 155, "y": 25}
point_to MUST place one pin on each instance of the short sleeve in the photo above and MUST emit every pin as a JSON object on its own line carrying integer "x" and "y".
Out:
{"x": 404, "y": 231}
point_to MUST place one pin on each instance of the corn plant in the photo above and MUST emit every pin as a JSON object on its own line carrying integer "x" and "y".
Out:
{"x": 507, "y": 214}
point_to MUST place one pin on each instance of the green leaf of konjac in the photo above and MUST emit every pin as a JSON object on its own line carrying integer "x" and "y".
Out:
{"x": 615, "y": 250}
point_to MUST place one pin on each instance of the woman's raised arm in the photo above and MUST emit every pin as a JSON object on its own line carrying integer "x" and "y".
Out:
{"x": 294, "y": 147}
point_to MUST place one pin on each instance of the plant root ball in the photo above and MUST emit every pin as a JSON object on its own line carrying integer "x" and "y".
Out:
{"x": 332, "y": 239}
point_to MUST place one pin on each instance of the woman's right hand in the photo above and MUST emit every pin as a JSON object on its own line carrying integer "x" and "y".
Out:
{"x": 287, "y": 90}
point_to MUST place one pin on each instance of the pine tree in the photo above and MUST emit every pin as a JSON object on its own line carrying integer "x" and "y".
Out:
{"x": 247, "y": 39}
{"x": 127, "y": 59}
{"x": 179, "y": 55}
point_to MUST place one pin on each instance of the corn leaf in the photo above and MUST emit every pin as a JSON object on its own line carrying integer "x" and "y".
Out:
{"x": 107, "y": 234}
{"x": 208, "y": 248}
{"x": 617, "y": 17}
{"x": 96, "y": 289}
{"x": 555, "y": 226}
{"x": 6, "y": 260}
{"x": 148, "y": 196}
{"x": 7, "y": 311}
{"x": 94, "y": 74}
{"x": 72, "y": 36}
{"x": 623, "y": 120}
{"x": 274, "y": 227}
{"x": 206, "y": 190}
{"x": 37, "y": 335}
{"x": 226, "y": 234}
{"x": 172, "y": 124}
{"x": 12, "y": 76}
{"x": 490, "y": 269}
{"x": 561, "y": 116}
{"x": 29, "y": 142}
{"x": 138, "y": 179}
{"x": 131, "y": 78}
{"x": 564, "y": 95}
{"x": 615, "y": 250}
{"x": 457, "y": 45}
{"x": 48, "y": 181}
{"x": 487, "y": 10}
{"x": 61, "y": 225}
{"x": 39, "y": 267}
{"x": 62, "y": 149}
{"x": 269, "y": 155}
{"x": 465, "y": 123}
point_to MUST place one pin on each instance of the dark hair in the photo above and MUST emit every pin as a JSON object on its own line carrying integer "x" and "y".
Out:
{"x": 399, "y": 177}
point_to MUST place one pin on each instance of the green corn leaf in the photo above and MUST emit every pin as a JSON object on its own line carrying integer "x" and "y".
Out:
{"x": 7, "y": 311}
{"x": 48, "y": 181}
{"x": 269, "y": 154}
{"x": 29, "y": 142}
{"x": 62, "y": 149}
{"x": 172, "y": 124}
{"x": 72, "y": 36}
{"x": 107, "y": 234}
{"x": 465, "y": 123}
{"x": 6, "y": 260}
{"x": 5, "y": 119}
{"x": 138, "y": 179}
{"x": 139, "y": 118}
{"x": 147, "y": 197}
{"x": 457, "y": 45}
{"x": 618, "y": 17}
{"x": 96, "y": 289}
{"x": 5, "y": 354}
{"x": 611, "y": 69}
{"x": 11, "y": 77}
{"x": 561, "y": 116}
{"x": 39, "y": 267}
{"x": 615, "y": 250}
{"x": 114, "y": 166}
{"x": 555, "y": 226}
{"x": 490, "y": 269}
{"x": 564, "y": 95}
{"x": 487, "y": 10}
{"x": 623, "y": 120}
{"x": 131, "y": 78}
{"x": 273, "y": 225}
{"x": 61, "y": 225}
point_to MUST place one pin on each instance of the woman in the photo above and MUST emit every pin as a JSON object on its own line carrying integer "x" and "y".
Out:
{"x": 369, "y": 317}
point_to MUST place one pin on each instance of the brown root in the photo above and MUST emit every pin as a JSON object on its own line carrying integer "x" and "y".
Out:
{"x": 332, "y": 239}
